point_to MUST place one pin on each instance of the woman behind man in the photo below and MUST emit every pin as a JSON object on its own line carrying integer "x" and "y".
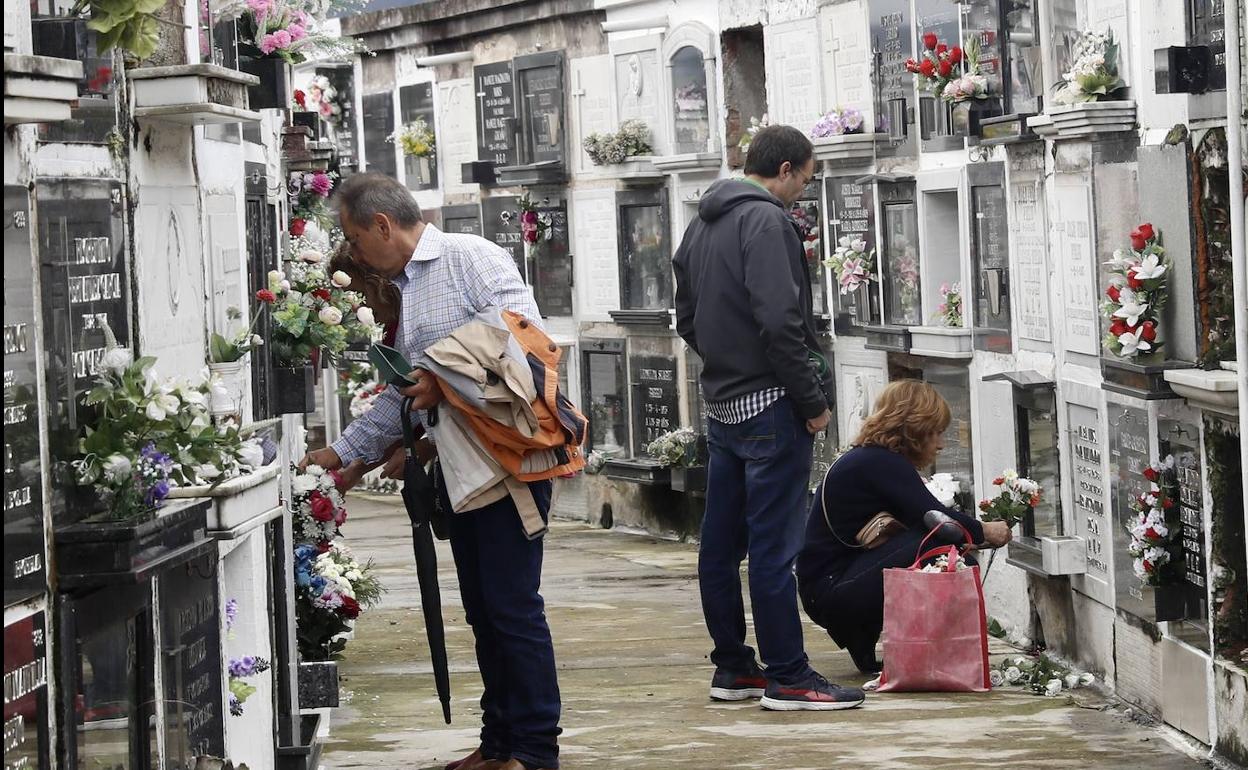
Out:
{"x": 841, "y": 584}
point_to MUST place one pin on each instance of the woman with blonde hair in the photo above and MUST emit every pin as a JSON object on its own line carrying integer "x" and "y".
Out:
{"x": 841, "y": 579}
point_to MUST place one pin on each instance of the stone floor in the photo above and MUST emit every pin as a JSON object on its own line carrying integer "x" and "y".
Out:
{"x": 633, "y": 671}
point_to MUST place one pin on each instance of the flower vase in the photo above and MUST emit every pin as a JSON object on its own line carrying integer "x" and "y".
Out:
{"x": 1169, "y": 602}
{"x": 689, "y": 479}
{"x": 228, "y": 399}
{"x": 274, "y": 90}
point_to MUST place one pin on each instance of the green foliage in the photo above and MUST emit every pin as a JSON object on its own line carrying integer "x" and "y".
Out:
{"x": 130, "y": 25}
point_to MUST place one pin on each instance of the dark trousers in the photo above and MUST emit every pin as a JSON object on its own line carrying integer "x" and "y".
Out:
{"x": 500, "y": 574}
{"x": 850, "y": 605}
{"x": 756, "y": 485}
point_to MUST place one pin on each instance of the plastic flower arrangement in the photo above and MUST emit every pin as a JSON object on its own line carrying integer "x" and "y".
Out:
{"x": 223, "y": 349}
{"x": 756, "y": 125}
{"x": 1042, "y": 676}
{"x": 314, "y": 311}
{"x": 1156, "y": 525}
{"x": 283, "y": 28}
{"x": 677, "y": 448}
{"x": 838, "y": 122}
{"x": 353, "y": 376}
{"x": 1136, "y": 294}
{"x": 631, "y": 140}
{"x": 241, "y": 669}
{"x": 1018, "y": 495}
{"x": 365, "y": 398}
{"x": 949, "y": 311}
{"x": 150, "y": 435}
{"x": 331, "y": 590}
{"x": 807, "y": 219}
{"x": 317, "y": 507}
{"x": 951, "y": 74}
{"x": 308, "y": 192}
{"x": 1094, "y": 74}
{"x": 416, "y": 139}
{"x": 852, "y": 262}
{"x": 322, "y": 98}
{"x": 534, "y": 225}
{"x": 595, "y": 461}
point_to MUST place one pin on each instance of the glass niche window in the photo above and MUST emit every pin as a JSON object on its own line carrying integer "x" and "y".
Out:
{"x": 1035, "y": 426}
{"x": 539, "y": 96}
{"x": 805, "y": 214}
{"x": 56, "y": 31}
{"x": 990, "y": 257}
{"x": 379, "y": 154}
{"x": 416, "y": 104}
{"x": 851, "y": 203}
{"x": 1023, "y": 72}
{"x": 646, "y": 280}
{"x": 899, "y": 258}
{"x": 690, "y": 101}
{"x": 605, "y": 396}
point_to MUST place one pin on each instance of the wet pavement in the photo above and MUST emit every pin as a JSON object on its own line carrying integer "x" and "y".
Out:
{"x": 633, "y": 670}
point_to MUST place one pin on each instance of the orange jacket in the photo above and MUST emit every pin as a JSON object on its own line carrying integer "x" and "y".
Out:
{"x": 562, "y": 429}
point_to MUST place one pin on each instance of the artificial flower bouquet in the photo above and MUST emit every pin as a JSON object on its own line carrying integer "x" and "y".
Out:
{"x": 947, "y": 490}
{"x": 322, "y": 98}
{"x": 354, "y": 375}
{"x": 631, "y": 140}
{"x": 1018, "y": 495}
{"x": 852, "y": 263}
{"x": 1042, "y": 676}
{"x": 314, "y": 311}
{"x": 416, "y": 139}
{"x": 949, "y": 311}
{"x": 1136, "y": 294}
{"x": 317, "y": 507}
{"x": 806, "y": 218}
{"x": 677, "y": 448}
{"x": 535, "y": 225}
{"x": 747, "y": 137}
{"x": 951, "y": 74}
{"x": 308, "y": 192}
{"x": 838, "y": 122}
{"x": 366, "y": 398}
{"x": 285, "y": 29}
{"x": 331, "y": 590}
{"x": 223, "y": 350}
{"x": 1094, "y": 74}
{"x": 1155, "y": 527}
{"x": 150, "y": 435}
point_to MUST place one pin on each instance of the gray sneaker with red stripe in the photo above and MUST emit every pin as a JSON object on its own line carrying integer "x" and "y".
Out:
{"x": 814, "y": 694}
{"x": 727, "y": 685}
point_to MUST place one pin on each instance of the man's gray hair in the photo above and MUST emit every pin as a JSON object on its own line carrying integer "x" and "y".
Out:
{"x": 363, "y": 196}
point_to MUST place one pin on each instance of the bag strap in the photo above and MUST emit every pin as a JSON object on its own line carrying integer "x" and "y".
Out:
{"x": 951, "y": 550}
{"x": 823, "y": 504}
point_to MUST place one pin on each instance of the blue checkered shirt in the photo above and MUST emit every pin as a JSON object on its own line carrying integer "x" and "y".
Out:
{"x": 742, "y": 408}
{"x": 449, "y": 279}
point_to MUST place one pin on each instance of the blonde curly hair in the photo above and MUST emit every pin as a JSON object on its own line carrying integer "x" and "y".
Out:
{"x": 907, "y": 414}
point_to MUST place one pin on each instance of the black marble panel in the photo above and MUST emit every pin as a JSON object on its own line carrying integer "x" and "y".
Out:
{"x": 496, "y": 113}
{"x": 656, "y": 399}
{"x": 26, "y": 694}
{"x": 191, "y": 660}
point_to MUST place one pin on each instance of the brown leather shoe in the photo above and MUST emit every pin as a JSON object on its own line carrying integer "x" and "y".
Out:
{"x": 475, "y": 761}
{"x": 513, "y": 764}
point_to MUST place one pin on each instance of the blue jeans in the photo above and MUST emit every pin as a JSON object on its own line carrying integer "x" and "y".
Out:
{"x": 500, "y": 574}
{"x": 756, "y": 484}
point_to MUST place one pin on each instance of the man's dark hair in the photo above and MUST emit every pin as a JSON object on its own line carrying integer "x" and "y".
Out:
{"x": 363, "y": 196}
{"x": 772, "y": 146}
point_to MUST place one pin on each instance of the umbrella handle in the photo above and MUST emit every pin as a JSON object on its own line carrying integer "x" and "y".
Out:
{"x": 409, "y": 435}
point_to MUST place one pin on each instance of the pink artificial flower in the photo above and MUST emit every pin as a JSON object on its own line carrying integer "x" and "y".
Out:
{"x": 321, "y": 184}
{"x": 297, "y": 32}
{"x": 268, "y": 44}
{"x": 327, "y": 109}
{"x": 282, "y": 39}
{"x": 260, "y": 7}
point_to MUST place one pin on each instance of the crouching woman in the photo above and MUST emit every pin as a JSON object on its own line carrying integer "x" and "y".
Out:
{"x": 840, "y": 579}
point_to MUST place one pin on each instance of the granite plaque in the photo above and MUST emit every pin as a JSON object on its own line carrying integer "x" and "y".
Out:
{"x": 1128, "y": 457}
{"x": 496, "y": 113}
{"x": 550, "y": 261}
{"x": 892, "y": 43}
{"x": 1031, "y": 295}
{"x": 191, "y": 642}
{"x": 1075, "y": 262}
{"x": 85, "y": 283}
{"x": 26, "y": 744}
{"x": 656, "y": 399}
{"x": 24, "y": 571}
{"x": 500, "y": 223}
{"x": 1087, "y": 488}
{"x": 462, "y": 220}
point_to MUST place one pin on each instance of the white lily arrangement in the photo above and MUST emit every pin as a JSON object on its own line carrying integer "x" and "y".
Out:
{"x": 1136, "y": 295}
{"x": 852, "y": 262}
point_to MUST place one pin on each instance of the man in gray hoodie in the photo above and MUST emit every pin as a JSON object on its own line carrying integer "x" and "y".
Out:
{"x": 743, "y": 303}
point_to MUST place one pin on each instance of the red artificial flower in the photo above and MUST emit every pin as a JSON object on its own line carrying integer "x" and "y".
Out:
{"x": 1112, "y": 292}
{"x": 930, "y": 41}
{"x": 300, "y": 99}
{"x": 927, "y": 68}
{"x": 323, "y": 546}
{"x": 999, "y": 480}
{"x": 1151, "y": 474}
{"x": 941, "y": 49}
{"x": 955, "y": 54}
{"x": 297, "y": 226}
{"x": 946, "y": 67}
{"x": 984, "y": 505}
{"x": 1145, "y": 231}
{"x": 1118, "y": 327}
{"x": 100, "y": 81}
{"x": 322, "y": 294}
{"x": 1148, "y": 565}
{"x": 350, "y": 607}
{"x": 1150, "y": 331}
{"x": 264, "y": 295}
{"x": 1034, "y": 501}
{"x": 322, "y": 507}
{"x": 912, "y": 65}
{"x": 1151, "y": 534}
{"x": 1133, "y": 281}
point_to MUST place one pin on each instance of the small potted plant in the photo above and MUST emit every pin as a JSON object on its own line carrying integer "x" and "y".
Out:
{"x": 678, "y": 450}
{"x": 227, "y": 365}
{"x": 948, "y": 337}
{"x": 312, "y": 313}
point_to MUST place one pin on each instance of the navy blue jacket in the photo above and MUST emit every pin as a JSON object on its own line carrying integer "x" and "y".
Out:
{"x": 743, "y": 299}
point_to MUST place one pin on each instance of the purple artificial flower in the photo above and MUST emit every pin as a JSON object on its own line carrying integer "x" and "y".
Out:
{"x": 236, "y": 708}
{"x": 231, "y": 612}
{"x": 852, "y": 120}
{"x": 156, "y": 494}
{"x": 321, "y": 184}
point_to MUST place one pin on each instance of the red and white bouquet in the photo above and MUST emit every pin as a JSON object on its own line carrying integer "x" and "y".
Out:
{"x": 1156, "y": 525}
{"x": 1018, "y": 495}
{"x": 1136, "y": 294}
{"x": 317, "y": 507}
{"x": 951, "y": 74}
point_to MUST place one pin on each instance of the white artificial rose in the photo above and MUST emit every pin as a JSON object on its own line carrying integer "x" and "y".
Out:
{"x": 286, "y": 285}
{"x": 303, "y": 484}
{"x": 274, "y": 277}
{"x": 257, "y": 340}
{"x": 154, "y": 411}
{"x": 1071, "y": 681}
{"x": 340, "y": 279}
{"x": 1013, "y": 674}
{"x": 314, "y": 470}
{"x": 1054, "y": 687}
{"x": 207, "y": 471}
{"x": 312, "y": 257}
{"x": 365, "y": 315}
{"x": 330, "y": 316}
{"x": 193, "y": 397}
{"x": 996, "y": 678}
{"x": 1086, "y": 679}
{"x": 116, "y": 360}
{"x": 117, "y": 467}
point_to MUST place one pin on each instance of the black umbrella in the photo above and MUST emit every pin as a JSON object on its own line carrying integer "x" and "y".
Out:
{"x": 420, "y": 499}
